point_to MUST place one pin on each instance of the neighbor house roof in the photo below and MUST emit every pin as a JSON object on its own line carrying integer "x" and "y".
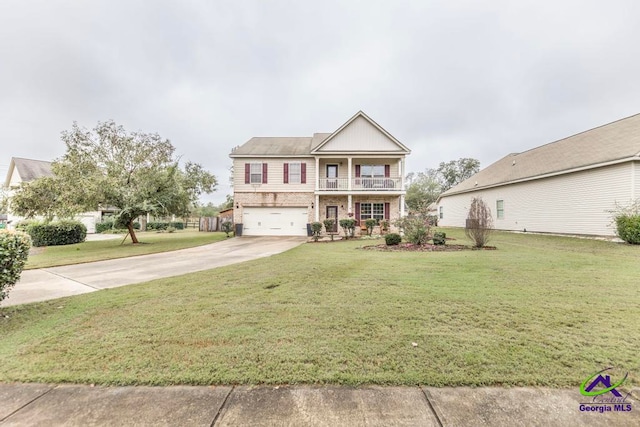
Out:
{"x": 608, "y": 144}
{"x": 28, "y": 169}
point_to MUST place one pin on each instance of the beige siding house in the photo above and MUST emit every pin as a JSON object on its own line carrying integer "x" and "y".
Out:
{"x": 283, "y": 184}
{"x": 568, "y": 186}
{"x": 26, "y": 170}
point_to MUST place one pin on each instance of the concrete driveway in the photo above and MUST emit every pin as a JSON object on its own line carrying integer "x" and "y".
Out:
{"x": 56, "y": 282}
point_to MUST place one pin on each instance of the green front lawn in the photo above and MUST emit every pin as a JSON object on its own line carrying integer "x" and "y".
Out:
{"x": 151, "y": 243}
{"x": 540, "y": 310}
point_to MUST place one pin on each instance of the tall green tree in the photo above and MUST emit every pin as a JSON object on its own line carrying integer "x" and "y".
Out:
{"x": 424, "y": 189}
{"x": 454, "y": 172}
{"x": 136, "y": 172}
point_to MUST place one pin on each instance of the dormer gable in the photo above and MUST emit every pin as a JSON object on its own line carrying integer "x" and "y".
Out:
{"x": 360, "y": 134}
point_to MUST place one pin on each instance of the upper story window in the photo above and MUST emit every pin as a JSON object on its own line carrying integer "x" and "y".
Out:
{"x": 372, "y": 171}
{"x": 295, "y": 173}
{"x": 255, "y": 173}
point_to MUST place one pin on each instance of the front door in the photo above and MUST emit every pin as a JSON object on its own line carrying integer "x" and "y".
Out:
{"x": 332, "y": 213}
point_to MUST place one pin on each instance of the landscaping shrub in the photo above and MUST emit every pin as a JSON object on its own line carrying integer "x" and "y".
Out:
{"x": 328, "y": 225}
{"x": 627, "y": 220}
{"x": 439, "y": 238}
{"x": 63, "y": 232}
{"x": 316, "y": 229}
{"x": 384, "y": 225}
{"x": 415, "y": 229}
{"x": 479, "y": 224}
{"x": 110, "y": 226}
{"x": 164, "y": 225}
{"x": 14, "y": 250}
{"x": 392, "y": 239}
{"x": 349, "y": 226}
{"x": 24, "y": 224}
{"x": 370, "y": 223}
{"x": 227, "y": 227}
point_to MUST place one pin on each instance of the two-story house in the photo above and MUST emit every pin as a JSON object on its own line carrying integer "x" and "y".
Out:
{"x": 281, "y": 185}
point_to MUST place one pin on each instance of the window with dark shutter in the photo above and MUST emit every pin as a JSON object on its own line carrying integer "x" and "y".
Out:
{"x": 264, "y": 173}
{"x": 303, "y": 173}
{"x": 247, "y": 173}
{"x": 285, "y": 178}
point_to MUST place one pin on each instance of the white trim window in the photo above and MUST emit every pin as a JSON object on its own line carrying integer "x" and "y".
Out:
{"x": 256, "y": 173}
{"x": 372, "y": 171}
{"x": 295, "y": 173}
{"x": 371, "y": 210}
{"x": 500, "y": 209}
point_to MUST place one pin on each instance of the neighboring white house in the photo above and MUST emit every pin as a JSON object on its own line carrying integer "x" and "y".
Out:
{"x": 25, "y": 170}
{"x": 283, "y": 184}
{"x": 568, "y": 186}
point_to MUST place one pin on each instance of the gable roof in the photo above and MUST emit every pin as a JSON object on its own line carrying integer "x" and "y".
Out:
{"x": 274, "y": 147}
{"x": 303, "y": 146}
{"x": 615, "y": 142}
{"x": 360, "y": 115}
{"x": 28, "y": 169}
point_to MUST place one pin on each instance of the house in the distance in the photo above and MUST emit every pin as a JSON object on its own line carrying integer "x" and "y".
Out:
{"x": 569, "y": 186}
{"x": 26, "y": 170}
{"x": 282, "y": 184}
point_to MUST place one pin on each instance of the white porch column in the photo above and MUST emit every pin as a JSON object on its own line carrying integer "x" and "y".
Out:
{"x": 401, "y": 205}
{"x": 349, "y": 203}
{"x": 317, "y": 208}
{"x": 317, "y": 173}
{"x": 401, "y": 170}
{"x": 349, "y": 177}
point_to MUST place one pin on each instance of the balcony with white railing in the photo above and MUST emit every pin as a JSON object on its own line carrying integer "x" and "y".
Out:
{"x": 360, "y": 184}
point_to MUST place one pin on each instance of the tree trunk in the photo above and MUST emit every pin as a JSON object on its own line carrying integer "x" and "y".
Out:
{"x": 132, "y": 233}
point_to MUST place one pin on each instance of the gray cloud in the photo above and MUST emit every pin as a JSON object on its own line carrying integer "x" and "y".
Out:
{"x": 449, "y": 79}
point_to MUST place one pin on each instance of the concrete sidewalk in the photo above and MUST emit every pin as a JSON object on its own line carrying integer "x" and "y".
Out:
{"x": 56, "y": 282}
{"x": 76, "y": 405}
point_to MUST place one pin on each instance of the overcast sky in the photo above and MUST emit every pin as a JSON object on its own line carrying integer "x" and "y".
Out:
{"x": 449, "y": 79}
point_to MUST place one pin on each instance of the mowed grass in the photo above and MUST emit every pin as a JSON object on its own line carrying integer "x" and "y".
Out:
{"x": 540, "y": 310}
{"x": 150, "y": 243}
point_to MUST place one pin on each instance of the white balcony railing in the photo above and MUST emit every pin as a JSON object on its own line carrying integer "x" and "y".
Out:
{"x": 360, "y": 184}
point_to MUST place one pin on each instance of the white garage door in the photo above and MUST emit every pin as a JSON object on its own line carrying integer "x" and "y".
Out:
{"x": 274, "y": 221}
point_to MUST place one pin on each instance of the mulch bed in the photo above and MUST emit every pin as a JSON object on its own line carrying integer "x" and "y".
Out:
{"x": 410, "y": 247}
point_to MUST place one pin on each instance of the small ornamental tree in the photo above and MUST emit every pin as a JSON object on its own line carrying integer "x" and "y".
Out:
{"x": 370, "y": 223}
{"x": 479, "y": 225}
{"x": 349, "y": 227}
{"x": 14, "y": 250}
{"x": 415, "y": 228}
{"x": 316, "y": 229}
{"x": 328, "y": 225}
{"x": 226, "y": 226}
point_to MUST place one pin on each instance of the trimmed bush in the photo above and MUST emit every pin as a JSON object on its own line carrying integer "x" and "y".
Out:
{"x": 328, "y": 225}
{"x": 439, "y": 238}
{"x": 415, "y": 228}
{"x": 110, "y": 226}
{"x": 57, "y": 233}
{"x": 348, "y": 225}
{"x": 392, "y": 239}
{"x": 14, "y": 250}
{"x": 316, "y": 229}
{"x": 370, "y": 223}
{"x": 24, "y": 224}
{"x": 164, "y": 225}
{"x": 628, "y": 228}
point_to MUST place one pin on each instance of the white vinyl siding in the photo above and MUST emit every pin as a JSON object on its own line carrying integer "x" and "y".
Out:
{"x": 576, "y": 203}
{"x": 360, "y": 135}
{"x": 275, "y": 177}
